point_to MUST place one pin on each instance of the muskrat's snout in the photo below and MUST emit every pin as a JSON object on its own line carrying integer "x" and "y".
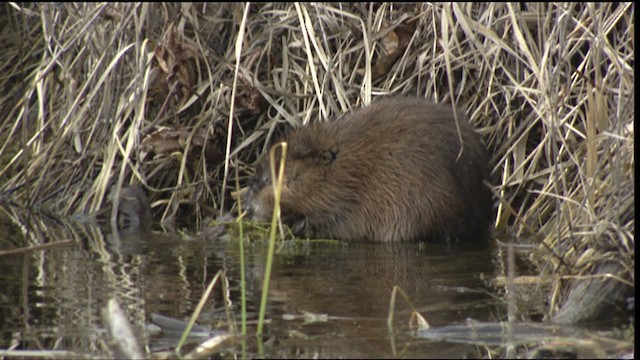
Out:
{"x": 258, "y": 197}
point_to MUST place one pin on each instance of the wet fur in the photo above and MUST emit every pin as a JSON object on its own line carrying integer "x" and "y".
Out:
{"x": 387, "y": 172}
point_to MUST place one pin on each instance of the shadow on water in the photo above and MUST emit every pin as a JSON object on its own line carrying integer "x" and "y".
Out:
{"x": 327, "y": 299}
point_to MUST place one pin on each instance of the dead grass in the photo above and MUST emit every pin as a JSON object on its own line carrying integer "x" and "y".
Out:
{"x": 98, "y": 96}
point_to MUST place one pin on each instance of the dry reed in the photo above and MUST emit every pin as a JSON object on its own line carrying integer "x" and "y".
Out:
{"x": 99, "y": 96}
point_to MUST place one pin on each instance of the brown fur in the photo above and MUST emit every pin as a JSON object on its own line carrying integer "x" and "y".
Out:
{"x": 387, "y": 172}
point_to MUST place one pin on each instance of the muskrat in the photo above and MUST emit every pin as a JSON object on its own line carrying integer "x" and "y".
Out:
{"x": 392, "y": 171}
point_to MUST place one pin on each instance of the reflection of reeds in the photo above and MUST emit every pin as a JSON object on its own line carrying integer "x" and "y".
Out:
{"x": 96, "y": 95}
{"x": 199, "y": 307}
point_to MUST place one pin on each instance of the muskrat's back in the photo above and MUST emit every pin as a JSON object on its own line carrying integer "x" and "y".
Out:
{"x": 395, "y": 170}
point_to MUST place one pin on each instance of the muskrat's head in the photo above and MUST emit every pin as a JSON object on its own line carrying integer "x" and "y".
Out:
{"x": 307, "y": 172}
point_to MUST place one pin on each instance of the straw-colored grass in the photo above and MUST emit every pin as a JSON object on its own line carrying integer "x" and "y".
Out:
{"x": 99, "y": 96}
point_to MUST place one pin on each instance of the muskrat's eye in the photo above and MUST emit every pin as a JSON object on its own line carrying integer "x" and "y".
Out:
{"x": 326, "y": 157}
{"x": 265, "y": 178}
{"x": 261, "y": 178}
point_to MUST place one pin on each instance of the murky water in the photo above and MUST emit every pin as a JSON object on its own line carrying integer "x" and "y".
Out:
{"x": 51, "y": 299}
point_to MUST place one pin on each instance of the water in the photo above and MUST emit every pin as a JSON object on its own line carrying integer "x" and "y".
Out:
{"x": 52, "y": 299}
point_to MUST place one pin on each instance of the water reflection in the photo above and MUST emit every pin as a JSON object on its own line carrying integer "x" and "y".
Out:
{"x": 357, "y": 279}
{"x": 52, "y": 299}
{"x": 354, "y": 281}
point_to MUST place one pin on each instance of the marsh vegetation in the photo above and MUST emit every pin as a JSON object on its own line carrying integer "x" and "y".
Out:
{"x": 180, "y": 99}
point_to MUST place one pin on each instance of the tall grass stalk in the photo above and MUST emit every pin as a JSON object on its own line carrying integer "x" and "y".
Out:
{"x": 243, "y": 287}
{"x": 277, "y": 190}
{"x": 238, "y": 52}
